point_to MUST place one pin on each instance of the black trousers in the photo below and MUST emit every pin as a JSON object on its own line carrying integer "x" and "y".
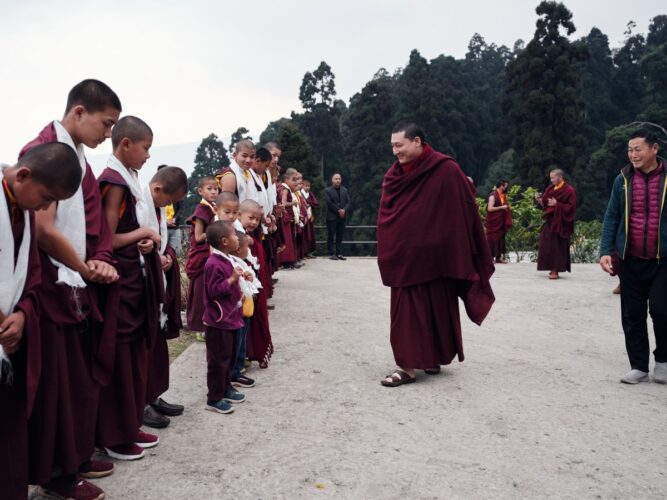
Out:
{"x": 644, "y": 288}
{"x": 335, "y": 229}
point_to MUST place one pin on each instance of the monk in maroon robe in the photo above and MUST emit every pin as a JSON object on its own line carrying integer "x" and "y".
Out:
{"x": 312, "y": 203}
{"x": 559, "y": 202}
{"x": 498, "y": 221}
{"x": 429, "y": 270}
{"x": 77, "y": 323}
{"x": 289, "y": 219}
{"x": 28, "y": 186}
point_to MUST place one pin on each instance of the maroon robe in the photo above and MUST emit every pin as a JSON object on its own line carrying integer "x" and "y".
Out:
{"x": 287, "y": 228}
{"x": 259, "y": 346}
{"x": 311, "y": 238}
{"x": 122, "y": 402}
{"x": 13, "y": 396}
{"x": 77, "y": 349}
{"x": 428, "y": 270}
{"x": 302, "y": 232}
{"x": 498, "y": 223}
{"x": 554, "y": 247}
{"x": 199, "y": 252}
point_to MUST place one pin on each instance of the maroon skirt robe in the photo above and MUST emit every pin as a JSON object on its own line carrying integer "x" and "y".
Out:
{"x": 75, "y": 350}
{"x": 122, "y": 402}
{"x": 498, "y": 223}
{"x": 194, "y": 268}
{"x": 14, "y": 395}
{"x": 288, "y": 234}
{"x": 259, "y": 346}
{"x": 554, "y": 246}
{"x": 427, "y": 270}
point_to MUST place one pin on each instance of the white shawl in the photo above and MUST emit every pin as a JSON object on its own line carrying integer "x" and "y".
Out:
{"x": 12, "y": 278}
{"x": 246, "y": 190}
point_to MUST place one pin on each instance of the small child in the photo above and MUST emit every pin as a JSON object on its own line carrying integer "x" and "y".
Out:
{"x": 203, "y": 215}
{"x": 227, "y": 209}
{"x": 289, "y": 218}
{"x": 222, "y": 315}
{"x": 45, "y": 174}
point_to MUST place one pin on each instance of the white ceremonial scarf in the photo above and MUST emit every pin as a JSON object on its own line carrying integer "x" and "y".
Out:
{"x": 309, "y": 210}
{"x": 246, "y": 190}
{"x": 234, "y": 265}
{"x": 161, "y": 228}
{"x": 262, "y": 196}
{"x": 238, "y": 226}
{"x": 71, "y": 217}
{"x": 296, "y": 208}
{"x": 12, "y": 278}
{"x": 249, "y": 288}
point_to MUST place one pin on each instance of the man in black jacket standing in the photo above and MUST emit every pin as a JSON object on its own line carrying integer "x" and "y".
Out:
{"x": 338, "y": 201}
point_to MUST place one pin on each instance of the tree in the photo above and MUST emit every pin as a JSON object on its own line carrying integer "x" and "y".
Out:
{"x": 241, "y": 134}
{"x": 296, "y": 153}
{"x": 272, "y": 130}
{"x": 211, "y": 156}
{"x": 318, "y": 88}
{"x": 543, "y": 98}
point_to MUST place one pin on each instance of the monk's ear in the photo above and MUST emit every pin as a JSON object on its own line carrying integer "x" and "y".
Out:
{"x": 126, "y": 143}
{"x": 78, "y": 110}
{"x": 418, "y": 141}
{"x": 23, "y": 174}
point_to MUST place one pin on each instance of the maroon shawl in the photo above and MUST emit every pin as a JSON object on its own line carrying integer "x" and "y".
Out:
{"x": 429, "y": 227}
{"x": 98, "y": 301}
{"x": 498, "y": 222}
{"x": 561, "y": 217}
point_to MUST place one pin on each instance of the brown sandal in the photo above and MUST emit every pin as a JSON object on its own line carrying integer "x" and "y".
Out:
{"x": 399, "y": 377}
{"x": 433, "y": 370}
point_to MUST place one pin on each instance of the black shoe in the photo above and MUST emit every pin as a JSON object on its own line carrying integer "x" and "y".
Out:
{"x": 333, "y": 257}
{"x": 340, "y": 257}
{"x": 168, "y": 409}
{"x": 154, "y": 419}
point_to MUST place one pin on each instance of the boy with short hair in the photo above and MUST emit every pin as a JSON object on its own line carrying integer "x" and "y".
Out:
{"x": 203, "y": 215}
{"x": 169, "y": 185}
{"x": 77, "y": 308}
{"x": 47, "y": 173}
{"x": 222, "y": 316}
{"x": 129, "y": 212}
{"x": 289, "y": 218}
{"x": 236, "y": 178}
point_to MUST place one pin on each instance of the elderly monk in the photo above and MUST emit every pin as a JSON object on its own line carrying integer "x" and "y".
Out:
{"x": 559, "y": 202}
{"x": 431, "y": 251}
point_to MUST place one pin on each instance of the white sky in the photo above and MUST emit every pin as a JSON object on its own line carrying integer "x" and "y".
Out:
{"x": 194, "y": 67}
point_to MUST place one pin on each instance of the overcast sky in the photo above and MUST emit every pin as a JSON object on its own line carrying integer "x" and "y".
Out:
{"x": 193, "y": 67}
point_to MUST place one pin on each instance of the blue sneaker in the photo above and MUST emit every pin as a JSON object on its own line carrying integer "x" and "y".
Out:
{"x": 220, "y": 406}
{"x": 233, "y": 396}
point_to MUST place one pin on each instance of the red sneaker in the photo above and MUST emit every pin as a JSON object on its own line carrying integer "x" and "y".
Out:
{"x": 94, "y": 469}
{"x": 125, "y": 452}
{"x": 146, "y": 440}
{"x": 71, "y": 490}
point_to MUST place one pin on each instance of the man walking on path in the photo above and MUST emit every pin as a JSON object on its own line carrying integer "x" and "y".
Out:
{"x": 635, "y": 226}
{"x": 431, "y": 251}
{"x": 338, "y": 201}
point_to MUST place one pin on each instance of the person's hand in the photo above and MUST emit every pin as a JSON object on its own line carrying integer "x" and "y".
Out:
{"x": 154, "y": 237}
{"x": 146, "y": 246}
{"x": 101, "y": 272}
{"x": 552, "y": 202}
{"x": 166, "y": 262}
{"x": 505, "y": 207}
{"x": 237, "y": 273}
{"x": 248, "y": 276}
{"x": 538, "y": 196}
{"x": 606, "y": 264}
{"x": 11, "y": 331}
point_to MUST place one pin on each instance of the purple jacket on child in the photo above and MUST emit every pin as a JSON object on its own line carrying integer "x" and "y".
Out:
{"x": 222, "y": 301}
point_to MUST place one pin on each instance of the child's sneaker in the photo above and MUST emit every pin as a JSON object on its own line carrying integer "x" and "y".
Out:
{"x": 125, "y": 452}
{"x": 221, "y": 406}
{"x": 234, "y": 397}
{"x": 243, "y": 381}
{"x": 146, "y": 440}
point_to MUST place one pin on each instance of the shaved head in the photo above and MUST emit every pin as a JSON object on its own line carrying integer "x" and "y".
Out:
{"x": 244, "y": 144}
{"x": 131, "y": 127}
{"x": 250, "y": 206}
{"x": 54, "y": 165}
{"x": 173, "y": 179}
{"x": 226, "y": 197}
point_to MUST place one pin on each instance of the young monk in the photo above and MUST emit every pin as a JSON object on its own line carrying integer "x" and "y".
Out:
{"x": 227, "y": 209}
{"x": 310, "y": 239}
{"x": 237, "y": 178}
{"x": 222, "y": 316}
{"x": 77, "y": 308}
{"x": 274, "y": 237}
{"x": 289, "y": 219}
{"x": 203, "y": 215}
{"x": 259, "y": 343}
{"x": 301, "y": 226}
{"x": 47, "y": 173}
{"x": 168, "y": 186}
{"x": 135, "y": 242}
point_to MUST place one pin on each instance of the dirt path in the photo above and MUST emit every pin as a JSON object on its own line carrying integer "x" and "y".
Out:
{"x": 536, "y": 410}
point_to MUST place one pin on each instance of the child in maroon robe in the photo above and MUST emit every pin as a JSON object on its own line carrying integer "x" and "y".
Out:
{"x": 168, "y": 185}
{"x": 30, "y": 185}
{"x": 203, "y": 215}
{"x": 78, "y": 305}
{"x": 222, "y": 316}
{"x": 312, "y": 203}
{"x": 135, "y": 247}
{"x": 289, "y": 219}
{"x": 301, "y": 235}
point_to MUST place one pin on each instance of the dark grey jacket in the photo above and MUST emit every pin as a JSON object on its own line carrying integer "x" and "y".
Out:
{"x": 336, "y": 200}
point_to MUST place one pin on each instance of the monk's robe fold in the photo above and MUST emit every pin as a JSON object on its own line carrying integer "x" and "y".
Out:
{"x": 77, "y": 338}
{"x": 429, "y": 228}
{"x": 194, "y": 268}
{"x": 122, "y": 402}
{"x": 259, "y": 346}
{"x": 14, "y": 404}
{"x": 498, "y": 222}
{"x": 558, "y": 228}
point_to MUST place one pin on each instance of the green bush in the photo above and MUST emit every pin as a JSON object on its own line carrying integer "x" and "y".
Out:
{"x": 586, "y": 241}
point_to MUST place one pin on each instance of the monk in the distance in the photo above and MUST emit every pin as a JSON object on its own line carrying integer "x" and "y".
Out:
{"x": 498, "y": 221}
{"x": 559, "y": 202}
{"x": 431, "y": 251}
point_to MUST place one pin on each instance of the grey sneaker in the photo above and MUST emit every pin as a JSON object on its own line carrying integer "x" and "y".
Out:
{"x": 660, "y": 373}
{"x": 634, "y": 376}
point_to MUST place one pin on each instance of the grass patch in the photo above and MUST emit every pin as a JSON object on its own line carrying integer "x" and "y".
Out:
{"x": 180, "y": 344}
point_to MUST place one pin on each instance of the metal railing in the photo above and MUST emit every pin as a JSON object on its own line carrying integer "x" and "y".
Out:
{"x": 348, "y": 242}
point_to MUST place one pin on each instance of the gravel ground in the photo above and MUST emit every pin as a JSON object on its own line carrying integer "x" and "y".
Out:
{"x": 536, "y": 410}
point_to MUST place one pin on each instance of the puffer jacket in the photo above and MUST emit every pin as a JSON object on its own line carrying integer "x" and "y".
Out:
{"x": 645, "y": 214}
